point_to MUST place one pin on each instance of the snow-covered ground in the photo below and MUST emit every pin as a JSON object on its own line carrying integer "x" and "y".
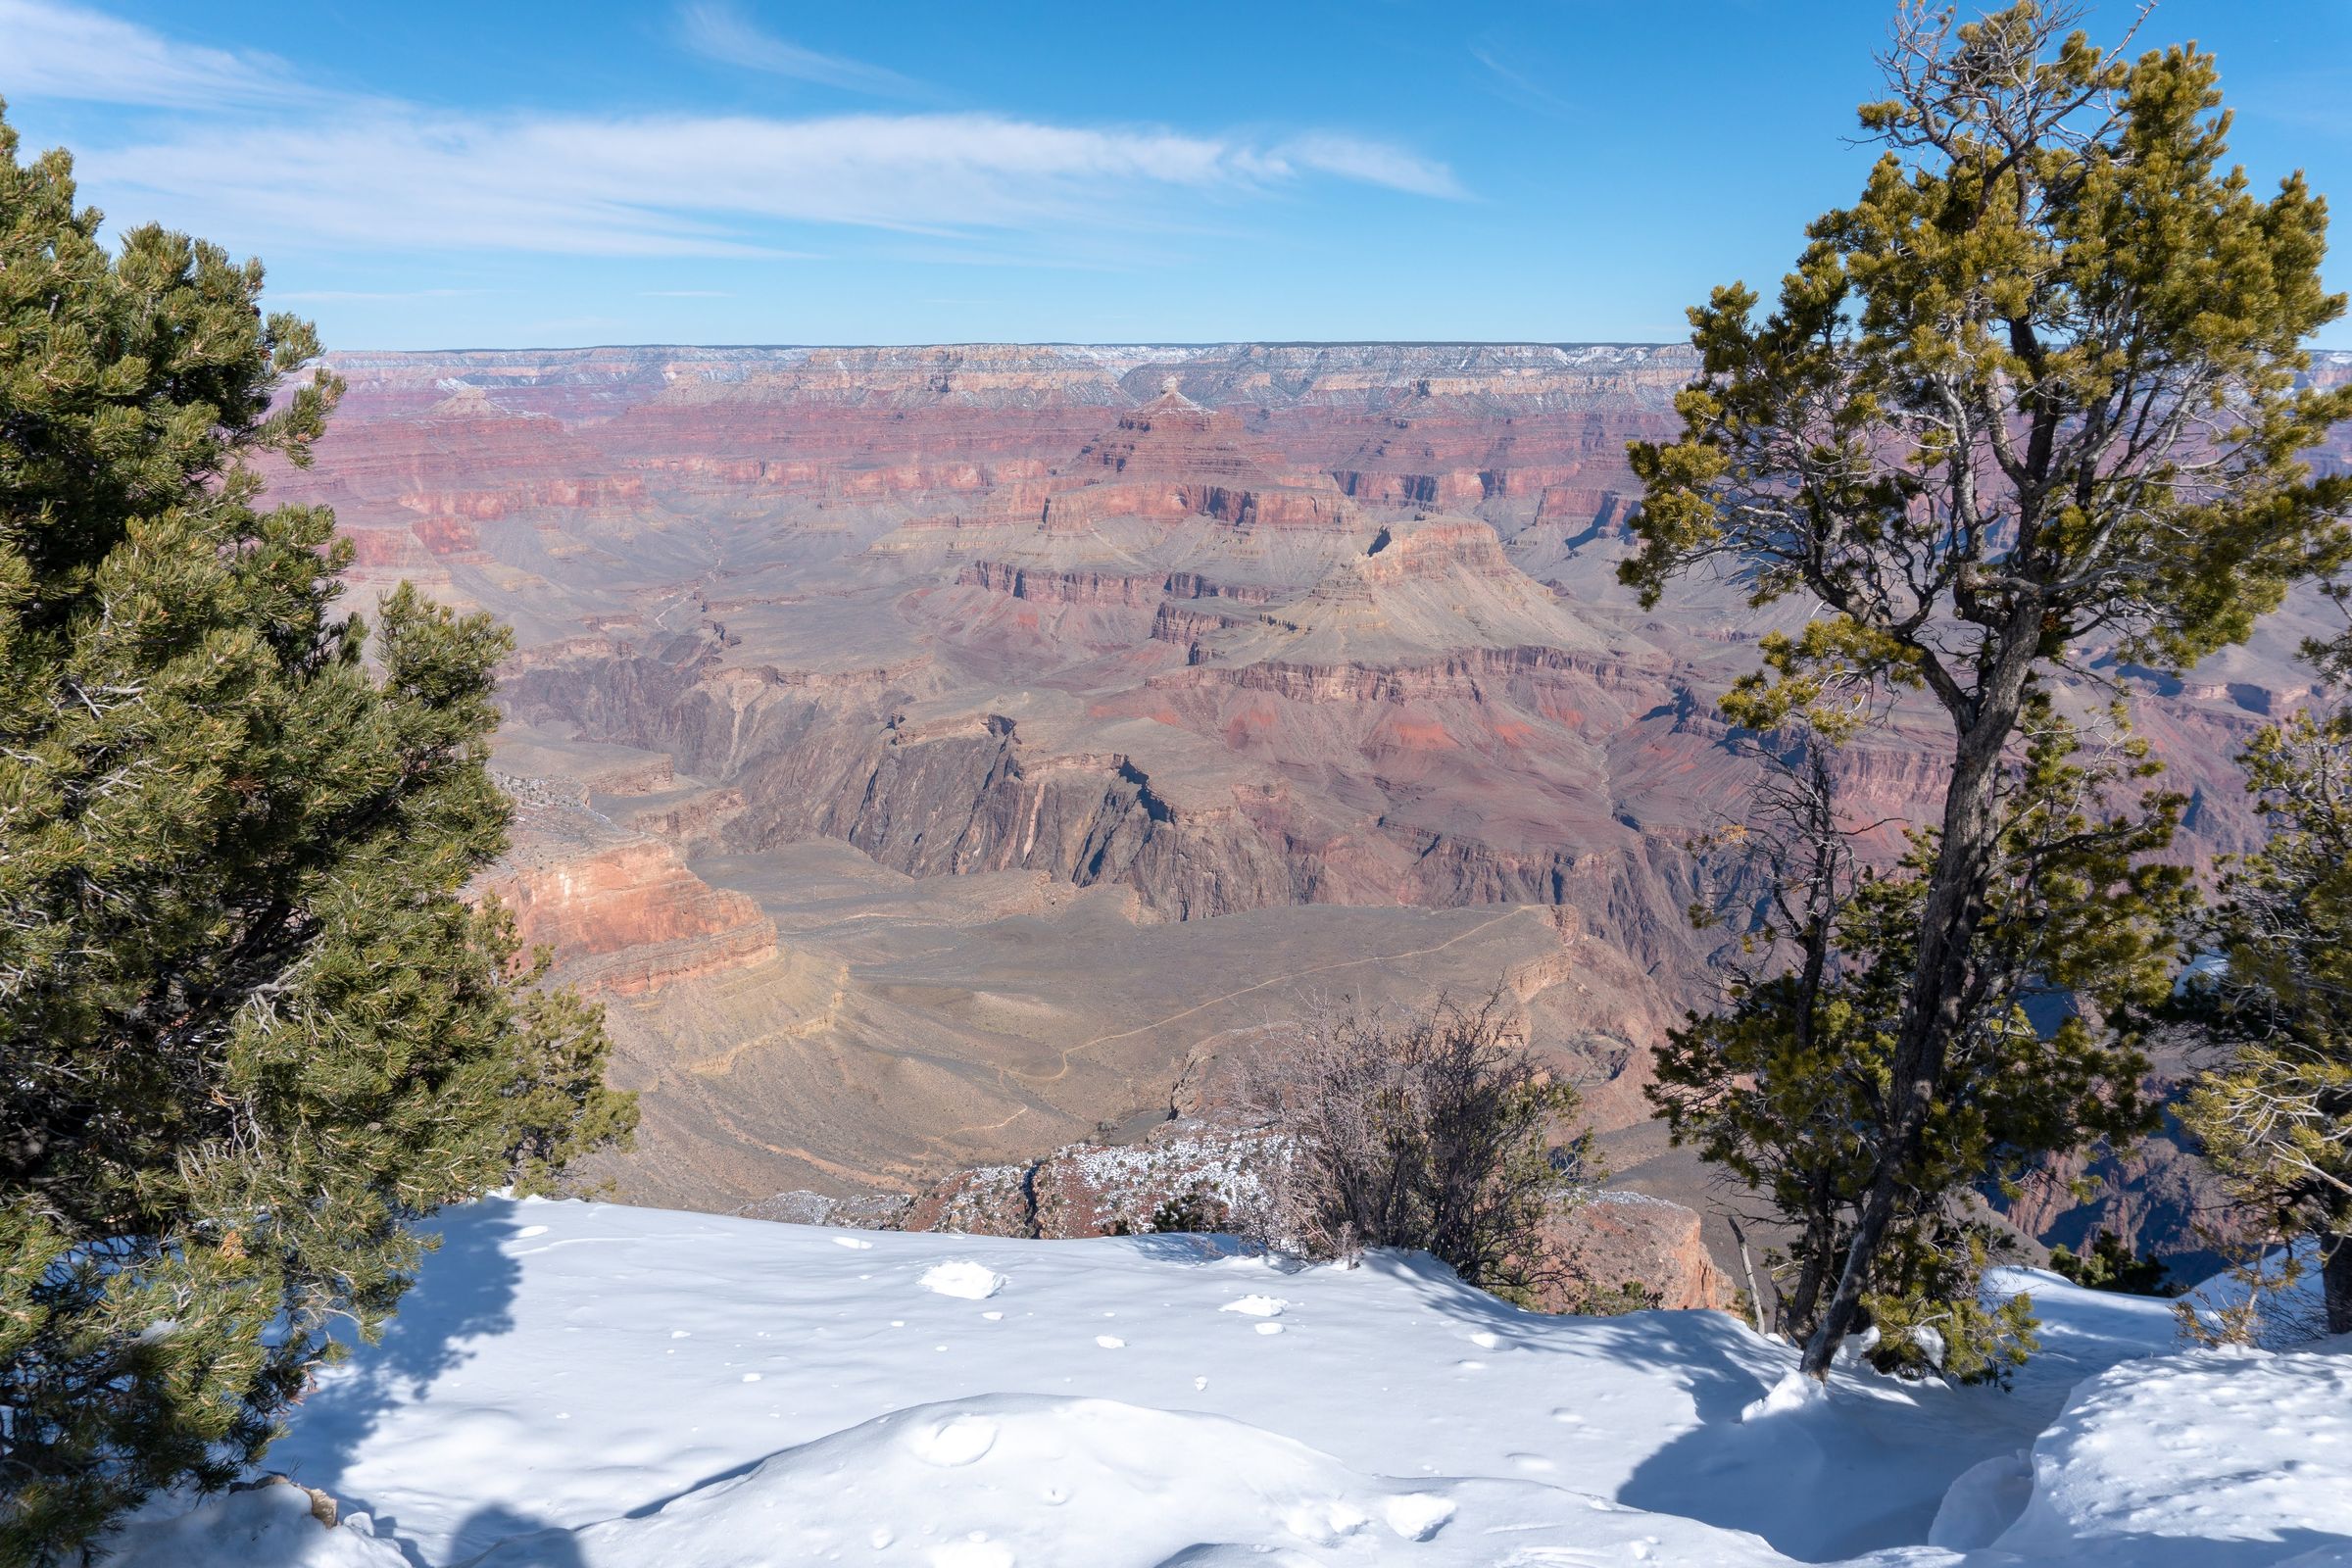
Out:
{"x": 589, "y": 1385}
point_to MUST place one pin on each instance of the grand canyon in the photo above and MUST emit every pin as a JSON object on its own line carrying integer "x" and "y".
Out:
{"x": 937, "y": 756}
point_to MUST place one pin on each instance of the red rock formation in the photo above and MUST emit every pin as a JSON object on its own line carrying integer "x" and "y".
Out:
{"x": 619, "y": 912}
{"x": 1617, "y": 1238}
{"x": 981, "y": 610}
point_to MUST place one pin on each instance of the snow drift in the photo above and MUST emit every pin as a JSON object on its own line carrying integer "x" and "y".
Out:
{"x": 587, "y": 1385}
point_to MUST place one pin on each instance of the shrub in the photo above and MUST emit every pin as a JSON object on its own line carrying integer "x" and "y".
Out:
{"x": 1437, "y": 1131}
{"x": 2107, "y": 1264}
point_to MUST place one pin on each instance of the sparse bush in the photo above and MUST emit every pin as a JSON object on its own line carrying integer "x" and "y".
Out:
{"x": 1437, "y": 1131}
{"x": 1615, "y": 1300}
{"x": 1194, "y": 1212}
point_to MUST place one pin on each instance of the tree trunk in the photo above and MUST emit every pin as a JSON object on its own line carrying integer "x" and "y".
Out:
{"x": 2335, "y": 1279}
{"x": 1933, "y": 1007}
{"x": 1755, "y": 1296}
{"x": 1799, "y": 1313}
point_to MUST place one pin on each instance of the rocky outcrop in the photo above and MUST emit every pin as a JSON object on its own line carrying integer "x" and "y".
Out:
{"x": 1614, "y": 1238}
{"x": 1199, "y": 1177}
{"x": 987, "y": 1201}
{"x": 1206, "y": 1175}
{"x": 619, "y": 912}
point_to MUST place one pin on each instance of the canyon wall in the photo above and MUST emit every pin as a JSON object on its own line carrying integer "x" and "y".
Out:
{"x": 938, "y": 746}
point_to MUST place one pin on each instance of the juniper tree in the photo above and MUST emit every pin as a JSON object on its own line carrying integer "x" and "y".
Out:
{"x": 1786, "y": 1089}
{"x": 2029, "y": 401}
{"x": 250, "y": 1031}
{"x": 2276, "y": 1116}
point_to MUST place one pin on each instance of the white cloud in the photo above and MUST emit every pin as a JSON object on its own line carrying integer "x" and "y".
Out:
{"x": 717, "y": 31}
{"x": 67, "y": 51}
{"x": 1373, "y": 162}
{"x": 275, "y": 169}
{"x": 1516, "y": 85}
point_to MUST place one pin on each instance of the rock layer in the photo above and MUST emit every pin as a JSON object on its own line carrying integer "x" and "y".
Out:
{"x": 1223, "y": 668}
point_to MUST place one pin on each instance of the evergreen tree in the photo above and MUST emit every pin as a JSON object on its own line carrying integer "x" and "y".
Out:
{"x": 2275, "y": 1117}
{"x": 251, "y": 1030}
{"x": 1787, "y": 1087}
{"x": 2030, "y": 400}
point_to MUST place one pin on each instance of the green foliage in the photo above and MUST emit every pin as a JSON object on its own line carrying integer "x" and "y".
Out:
{"x": 2031, "y": 400}
{"x": 252, "y": 1030}
{"x": 2108, "y": 1264}
{"x": 2275, "y": 1117}
{"x": 1929, "y": 1317}
{"x": 1786, "y": 1088}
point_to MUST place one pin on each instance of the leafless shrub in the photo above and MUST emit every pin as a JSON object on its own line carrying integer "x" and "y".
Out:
{"x": 1436, "y": 1129}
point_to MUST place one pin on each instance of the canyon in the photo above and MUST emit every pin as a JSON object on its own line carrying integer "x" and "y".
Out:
{"x": 936, "y": 757}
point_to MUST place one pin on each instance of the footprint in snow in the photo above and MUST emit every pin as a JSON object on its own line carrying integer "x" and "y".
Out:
{"x": 960, "y": 1440}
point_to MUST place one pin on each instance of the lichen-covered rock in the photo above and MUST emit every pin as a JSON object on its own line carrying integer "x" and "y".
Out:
{"x": 989, "y": 1201}
{"x": 863, "y": 1211}
{"x": 1205, "y": 1179}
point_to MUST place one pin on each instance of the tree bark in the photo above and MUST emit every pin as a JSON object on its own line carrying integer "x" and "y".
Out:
{"x": 2335, "y": 1280}
{"x": 1932, "y": 1007}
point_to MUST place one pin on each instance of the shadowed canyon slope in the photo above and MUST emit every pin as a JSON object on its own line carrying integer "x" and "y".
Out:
{"x": 938, "y": 748}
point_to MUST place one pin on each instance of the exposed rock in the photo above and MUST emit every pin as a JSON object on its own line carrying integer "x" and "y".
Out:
{"x": 865, "y": 1211}
{"x": 989, "y": 1201}
{"x": 1090, "y": 1189}
{"x": 1315, "y": 651}
{"x": 619, "y": 912}
{"x": 1614, "y": 1237}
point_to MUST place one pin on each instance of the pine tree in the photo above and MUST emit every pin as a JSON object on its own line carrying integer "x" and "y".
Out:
{"x": 2275, "y": 1117}
{"x": 251, "y": 1031}
{"x": 2029, "y": 402}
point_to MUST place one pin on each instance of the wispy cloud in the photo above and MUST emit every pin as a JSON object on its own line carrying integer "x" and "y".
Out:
{"x": 1372, "y": 163}
{"x": 1515, "y": 85}
{"x": 349, "y": 172}
{"x": 717, "y": 31}
{"x": 69, "y": 51}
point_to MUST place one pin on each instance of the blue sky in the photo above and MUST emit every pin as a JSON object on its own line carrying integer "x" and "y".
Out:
{"x": 430, "y": 174}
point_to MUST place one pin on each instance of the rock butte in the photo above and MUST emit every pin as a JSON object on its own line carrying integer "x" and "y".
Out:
{"x": 939, "y": 752}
